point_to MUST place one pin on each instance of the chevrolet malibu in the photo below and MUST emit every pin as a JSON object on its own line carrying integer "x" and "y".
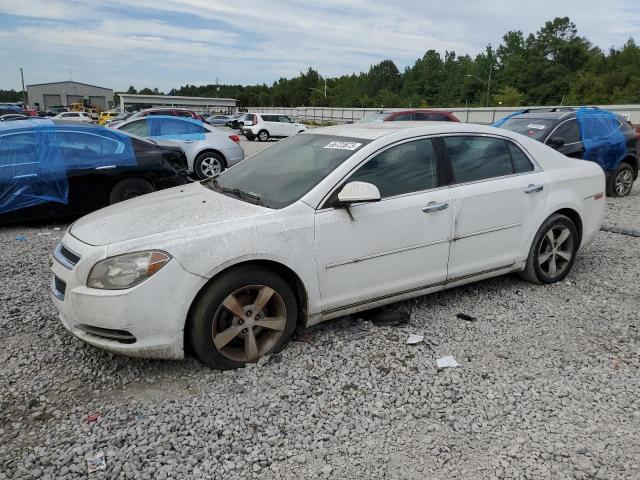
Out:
{"x": 323, "y": 224}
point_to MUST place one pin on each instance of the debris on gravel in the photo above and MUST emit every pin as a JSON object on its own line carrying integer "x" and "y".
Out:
{"x": 548, "y": 386}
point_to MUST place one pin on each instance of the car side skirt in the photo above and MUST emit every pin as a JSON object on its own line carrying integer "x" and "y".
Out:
{"x": 415, "y": 292}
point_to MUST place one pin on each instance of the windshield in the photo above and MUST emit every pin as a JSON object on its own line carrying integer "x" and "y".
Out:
{"x": 373, "y": 118}
{"x": 281, "y": 174}
{"x": 535, "y": 128}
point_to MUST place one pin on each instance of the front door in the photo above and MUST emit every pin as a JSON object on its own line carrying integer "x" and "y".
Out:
{"x": 498, "y": 197}
{"x": 398, "y": 244}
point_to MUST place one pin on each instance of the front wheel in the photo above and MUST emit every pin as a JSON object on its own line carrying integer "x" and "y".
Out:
{"x": 129, "y": 188}
{"x": 553, "y": 251}
{"x": 243, "y": 315}
{"x": 208, "y": 164}
{"x": 621, "y": 181}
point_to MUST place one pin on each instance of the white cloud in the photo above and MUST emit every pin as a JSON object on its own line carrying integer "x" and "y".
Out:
{"x": 257, "y": 41}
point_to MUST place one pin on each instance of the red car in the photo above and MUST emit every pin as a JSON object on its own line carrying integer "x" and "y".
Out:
{"x": 410, "y": 115}
{"x": 176, "y": 112}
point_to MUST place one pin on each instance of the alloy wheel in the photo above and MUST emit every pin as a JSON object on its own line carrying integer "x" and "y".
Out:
{"x": 249, "y": 323}
{"x": 264, "y": 136}
{"x": 624, "y": 181}
{"x": 211, "y": 166}
{"x": 556, "y": 251}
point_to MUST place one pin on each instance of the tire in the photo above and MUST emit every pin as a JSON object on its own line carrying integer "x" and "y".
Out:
{"x": 621, "y": 181}
{"x": 210, "y": 319}
{"x": 129, "y": 188}
{"x": 209, "y": 164}
{"x": 544, "y": 263}
{"x": 263, "y": 136}
{"x": 249, "y": 136}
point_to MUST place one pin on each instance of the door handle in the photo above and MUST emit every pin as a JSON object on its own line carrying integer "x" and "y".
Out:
{"x": 533, "y": 188}
{"x": 435, "y": 207}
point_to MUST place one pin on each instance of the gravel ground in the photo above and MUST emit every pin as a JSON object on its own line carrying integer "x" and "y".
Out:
{"x": 548, "y": 386}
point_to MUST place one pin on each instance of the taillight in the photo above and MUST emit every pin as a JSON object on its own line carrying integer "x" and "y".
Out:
{"x": 255, "y": 120}
{"x": 235, "y": 138}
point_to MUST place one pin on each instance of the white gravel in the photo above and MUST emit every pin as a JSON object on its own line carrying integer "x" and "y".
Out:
{"x": 548, "y": 386}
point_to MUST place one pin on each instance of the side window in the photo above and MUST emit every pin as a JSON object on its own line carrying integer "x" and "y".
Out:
{"x": 478, "y": 158}
{"x": 568, "y": 130}
{"x": 284, "y": 119}
{"x": 409, "y": 167}
{"x": 139, "y": 128}
{"x": 195, "y": 128}
{"x": 521, "y": 162}
{"x": 17, "y": 149}
{"x": 167, "y": 126}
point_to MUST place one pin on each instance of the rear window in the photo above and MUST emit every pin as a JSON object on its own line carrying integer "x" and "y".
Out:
{"x": 374, "y": 118}
{"x": 536, "y": 128}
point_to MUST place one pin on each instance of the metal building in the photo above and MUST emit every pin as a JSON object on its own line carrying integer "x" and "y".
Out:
{"x": 198, "y": 104}
{"x": 46, "y": 95}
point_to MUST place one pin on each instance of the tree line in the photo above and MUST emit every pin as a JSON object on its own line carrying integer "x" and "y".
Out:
{"x": 552, "y": 66}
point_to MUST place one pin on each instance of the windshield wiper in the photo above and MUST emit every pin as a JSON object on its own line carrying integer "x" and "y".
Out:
{"x": 252, "y": 197}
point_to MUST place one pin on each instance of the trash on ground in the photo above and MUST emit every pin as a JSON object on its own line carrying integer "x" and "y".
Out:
{"x": 415, "y": 339}
{"x": 464, "y": 316}
{"x": 92, "y": 417}
{"x": 97, "y": 462}
{"x": 21, "y": 238}
{"x": 447, "y": 362}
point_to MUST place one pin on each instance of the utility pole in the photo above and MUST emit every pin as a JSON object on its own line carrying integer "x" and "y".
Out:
{"x": 24, "y": 94}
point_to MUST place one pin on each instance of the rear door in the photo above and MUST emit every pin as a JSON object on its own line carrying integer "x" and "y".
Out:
{"x": 569, "y": 131}
{"x": 287, "y": 126}
{"x": 498, "y": 197}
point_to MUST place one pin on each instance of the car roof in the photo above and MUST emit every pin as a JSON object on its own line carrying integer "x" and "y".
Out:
{"x": 30, "y": 123}
{"x": 372, "y": 131}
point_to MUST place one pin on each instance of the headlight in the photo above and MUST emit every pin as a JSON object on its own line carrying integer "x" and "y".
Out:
{"x": 125, "y": 271}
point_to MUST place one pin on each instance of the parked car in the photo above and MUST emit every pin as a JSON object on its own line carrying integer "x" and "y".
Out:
{"x": 263, "y": 126}
{"x": 75, "y": 117}
{"x": 561, "y": 129}
{"x": 52, "y": 168}
{"x": 208, "y": 150}
{"x": 323, "y": 224}
{"x": 238, "y": 122}
{"x": 234, "y": 117}
{"x": 218, "y": 120}
{"x": 106, "y": 116}
{"x": 13, "y": 116}
{"x": 121, "y": 117}
{"x": 410, "y": 115}
{"x": 168, "y": 111}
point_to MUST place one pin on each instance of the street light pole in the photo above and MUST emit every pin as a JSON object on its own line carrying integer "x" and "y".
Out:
{"x": 24, "y": 94}
{"x": 487, "y": 84}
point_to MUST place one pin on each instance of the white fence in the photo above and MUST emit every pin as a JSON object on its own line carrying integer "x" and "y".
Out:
{"x": 469, "y": 115}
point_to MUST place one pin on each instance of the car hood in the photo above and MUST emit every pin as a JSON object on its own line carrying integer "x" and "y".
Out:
{"x": 176, "y": 208}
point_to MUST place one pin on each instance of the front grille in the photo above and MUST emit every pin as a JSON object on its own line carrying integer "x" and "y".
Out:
{"x": 121, "y": 336}
{"x": 58, "y": 288}
{"x": 69, "y": 255}
{"x": 65, "y": 257}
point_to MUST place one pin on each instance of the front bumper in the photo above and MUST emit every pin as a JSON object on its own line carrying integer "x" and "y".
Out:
{"x": 144, "y": 321}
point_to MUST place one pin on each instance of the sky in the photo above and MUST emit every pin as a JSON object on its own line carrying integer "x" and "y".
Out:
{"x": 170, "y": 43}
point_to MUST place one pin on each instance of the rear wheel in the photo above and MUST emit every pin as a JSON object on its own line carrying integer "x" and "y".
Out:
{"x": 208, "y": 164}
{"x": 553, "y": 251}
{"x": 245, "y": 314}
{"x": 263, "y": 135}
{"x": 129, "y": 188}
{"x": 621, "y": 181}
{"x": 249, "y": 136}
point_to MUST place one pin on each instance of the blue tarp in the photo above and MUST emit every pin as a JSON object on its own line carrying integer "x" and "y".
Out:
{"x": 603, "y": 141}
{"x": 167, "y": 127}
{"x": 499, "y": 123}
{"x": 36, "y": 157}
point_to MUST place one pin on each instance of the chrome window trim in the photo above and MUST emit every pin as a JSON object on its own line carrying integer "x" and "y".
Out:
{"x": 558, "y": 126}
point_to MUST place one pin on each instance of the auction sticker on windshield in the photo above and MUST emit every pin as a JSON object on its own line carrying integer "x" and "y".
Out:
{"x": 343, "y": 145}
{"x": 536, "y": 126}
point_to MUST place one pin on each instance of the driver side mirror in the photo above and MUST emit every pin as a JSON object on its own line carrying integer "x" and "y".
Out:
{"x": 556, "y": 142}
{"x": 358, "y": 192}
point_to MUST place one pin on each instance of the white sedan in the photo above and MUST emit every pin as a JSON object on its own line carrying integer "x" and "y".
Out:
{"x": 323, "y": 224}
